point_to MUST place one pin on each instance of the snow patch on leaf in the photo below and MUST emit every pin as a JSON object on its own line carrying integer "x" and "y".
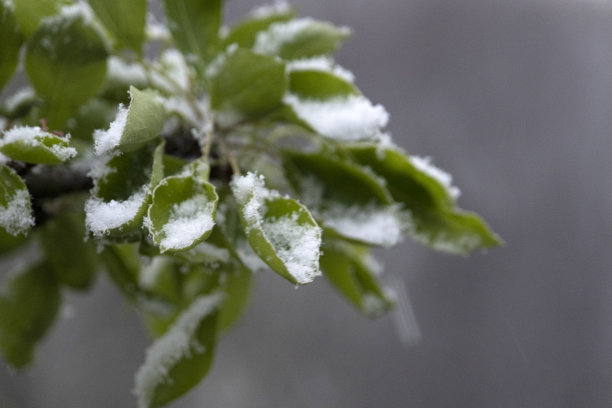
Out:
{"x": 101, "y": 217}
{"x": 107, "y": 140}
{"x": 424, "y": 165}
{"x": 177, "y": 344}
{"x": 34, "y": 136}
{"x": 15, "y": 216}
{"x": 269, "y": 10}
{"x": 188, "y": 221}
{"x": 371, "y": 224}
{"x": 350, "y": 118}
{"x": 323, "y": 64}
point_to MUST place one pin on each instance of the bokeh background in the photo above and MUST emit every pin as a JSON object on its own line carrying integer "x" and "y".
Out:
{"x": 514, "y": 98}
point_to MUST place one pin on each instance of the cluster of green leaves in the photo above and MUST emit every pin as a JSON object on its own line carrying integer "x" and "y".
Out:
{"x": 181, "y": 171}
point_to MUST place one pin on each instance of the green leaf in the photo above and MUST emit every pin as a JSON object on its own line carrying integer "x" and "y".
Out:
{"x": 428, "y": 200}
{"x": 194, "y": 25}
{"x": 30, "y": 12}
{"x": 66, "y": 63}
{"x": 318, "y": 84}
{"x": 15, "y": 208}
{"x": 95, "y": 114}
{"x": 182, "y": 212}
{"x": 28, "y": 306}
{"x": 245, "y": 31}
{"x": 33, "y": 145}
{"x": 348, "y": 268}
{"x": 301, "y": 38}
{"x": 236, "y": 289}
{"x": 124, "y": 19}
{"x": 134, "y": 126}
{"x": 280, "y": 230}
{"x": 72, "y": 260}
{"x": 346, "y": 198}
{"x": 245, "y": 84}
{"x": 11, "y": 40}
{"x": 122, "y": 263}
{"x": 121, "y": 193}
{"x": 9, "y": 242}
{"x": 177, "y": 362}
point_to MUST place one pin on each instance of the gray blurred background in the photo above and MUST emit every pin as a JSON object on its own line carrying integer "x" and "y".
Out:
{"x": 514, "y": 98}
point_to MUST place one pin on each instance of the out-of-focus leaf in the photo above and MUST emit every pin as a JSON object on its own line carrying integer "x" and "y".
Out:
{"x": 15, "y": 207}
{"x": 301, "y": 38}
{"x": 178, "y": 360}
{"x": 66, "y": 63}
{"x": 245, "y": 31}
{"x": 194, "y": 25}
{"x": 280, "y": 230}
{"x": 30, "y": 12}
{"x": 315, "y": 84}
{"x": 28, "y": 306}
{"x": 245, "y": 84}
{"x": 428, "y": 201}
{"x": 347, "y": 266}
{"x": 182, "y": 212}
{"x": 124, "y": 19}
{"x": 71, "y": 259}
{"x": 134, "y": 126}
{"x": 346, "y": 198}
{"x": 33, "y": 145}
{"x": 11, "y": 40}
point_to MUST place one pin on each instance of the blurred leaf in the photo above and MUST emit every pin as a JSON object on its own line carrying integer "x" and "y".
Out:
{"x": 177, "y": 362}
{"x": 316, "y": 84}
{"x": 135, "y": 126}
{"x": 95, "y": 114}
{"x": 122, "y": 263}
{"x": 236, "y": 289}
{"x": 11, "y": 40}
{"x": 347, "y": 268}
{"x": 71, "y": 259}
{"x": 9, "y": 242}
{"x": 124, "y": 19}
{"x": 429, "y": 205}
{"x": 280, "y": 230}
{"x": 301, "y": 38}
{"x": 15, "y": 207}
{"x": 245, "y": 31}
{"x": 182, "y": 212}
{"x": 30, "y": 12}
{"x": 33, "y": 145}
{"x": 246, "y": 84}
{"x": 347, "y": 198}
{"x": 66, "y": 63}
{"x": 194, "y": 25}
{"x": 28, "y": 306}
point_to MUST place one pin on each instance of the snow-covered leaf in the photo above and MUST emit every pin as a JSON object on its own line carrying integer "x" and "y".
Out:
{"x": 346, "y": 198}
{"x": 428, "y": 200}
{"x": 30, "y": 12}
{"x": 11, "y": 40}
{"x": 15, "y": 208}
{"x": 319, "y": 85}
{"x": 66, "y": 62}
{"x": 352, "y": 270}
{"x": 245, "y": 84}
{"x": 301, "y": 38}
{"x": 33, "y": 145}
{"x": 28, "y": 305}
{"x": 182, "y": 212}
{"x": 133, "y": 126}
{"x": 280, "y": 230}
{"x": 245, "y": 31}
{"x": 121, "y": 193}
{"x": 71, "y": 258}
{"x": 124, "y": 19}
{"x": 177, "y": 361}
{"x": 194, "y": 25}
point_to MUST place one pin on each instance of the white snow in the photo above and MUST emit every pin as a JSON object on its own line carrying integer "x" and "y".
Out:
{"x": 18, "y": 98}
{"x": 107, "y": 140}
{"x": 188, "y": 221}
{"x": 125, "y": 72}
{"x": 372, "y": 224}
{"x": 424, "y": 165}
{"x": 101, "y": 217}
{"x": 297, "y": 246}
{"x": 272, "y": 40}
{"x": 323, "y": 64}
{"x": 33, "y": 136}
{"x": 177, "y": 344}
{"x": 350, "y": 118}
{"x": 269, "y": 10}
{"x": 15, "y": 217}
